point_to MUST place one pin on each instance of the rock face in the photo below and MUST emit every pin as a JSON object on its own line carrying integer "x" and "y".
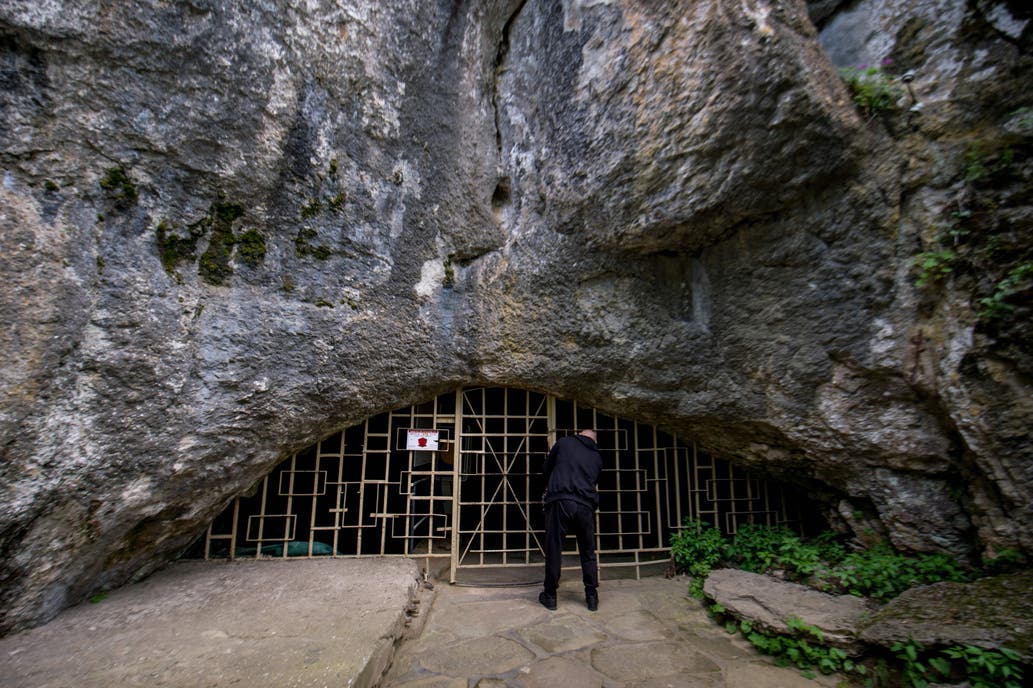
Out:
{"x": 768, "y": 603}
{"x": 989, "y": 613}
{"x": 229, "y": 228}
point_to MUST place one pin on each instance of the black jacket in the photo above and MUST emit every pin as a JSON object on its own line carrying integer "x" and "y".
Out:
{"x": 572, "y": 469}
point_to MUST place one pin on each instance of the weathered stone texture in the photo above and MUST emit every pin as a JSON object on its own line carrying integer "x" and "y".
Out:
{"x": 990, "y": 613}
{"x": 672, "y": 211}
{"x": 768, "y": 603}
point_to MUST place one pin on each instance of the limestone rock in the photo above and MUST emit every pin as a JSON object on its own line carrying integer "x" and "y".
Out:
{"x": 230, "y": 228}
{"x": 989, "y": 613}
{"x": 767, "y": 603}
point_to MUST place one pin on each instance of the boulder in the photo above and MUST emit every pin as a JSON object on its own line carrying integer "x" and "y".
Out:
{"x": 768, "y": 603}
{"x": 990, "y": 613}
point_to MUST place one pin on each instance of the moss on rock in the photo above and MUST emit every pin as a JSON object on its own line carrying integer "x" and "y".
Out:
{"x": 251, "y": 247}
{"x": 214, "y": 267}
{"x": 119, "y": 187}
{"x": 173, "y": 248}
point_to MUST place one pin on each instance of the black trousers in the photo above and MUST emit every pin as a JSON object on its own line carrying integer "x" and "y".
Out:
{"x": 567, "y": 516}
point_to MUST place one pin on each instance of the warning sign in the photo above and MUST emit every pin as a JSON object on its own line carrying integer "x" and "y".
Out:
{"x": 422, "y": 440}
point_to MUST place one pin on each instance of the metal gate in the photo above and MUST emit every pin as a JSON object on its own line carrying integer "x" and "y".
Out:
{"x": 457, "y": 481}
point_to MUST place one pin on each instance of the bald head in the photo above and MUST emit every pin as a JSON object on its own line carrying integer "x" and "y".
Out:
{"x": 590, "y": 434}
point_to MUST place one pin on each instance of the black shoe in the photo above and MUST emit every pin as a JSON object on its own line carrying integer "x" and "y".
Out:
{"x": 548, "y": 601}
{"x": 592, "y": 602}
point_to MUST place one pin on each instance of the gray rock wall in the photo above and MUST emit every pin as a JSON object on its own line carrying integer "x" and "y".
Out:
{"x": 229, "y": 228}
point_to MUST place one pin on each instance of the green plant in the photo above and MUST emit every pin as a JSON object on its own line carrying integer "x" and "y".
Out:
{"x": 214, "y": 266}
{"x": 983, "y": 246}
{"x": 804, "y": 648}
{"x": 883, "y": 573}
{"x": 755, "y": 547}
{"x": 1005, "y": 561}
{"x": 873, "y": 90}
{"x": 173, "y": 248}
{"x": 99, "y": 597}
{"x": 909, "y": 654}
{"x": 120, "y": 187}
{"x": 337, "y": 202}
{"x": 831, "y": 549}
{"x": 987, "y": 668}
{"x": 798, "y": 558}
{"x": 304, "y": 247}
{"x": 980, "y": 164}
{"x": 980, "y": 667}
{"x": 934, "y": 266}
{"x": 1017, "y": 280}
{"x": 696, "y": 549}
{"x": 878, "y": 674}
{"x": 760, "y": 548}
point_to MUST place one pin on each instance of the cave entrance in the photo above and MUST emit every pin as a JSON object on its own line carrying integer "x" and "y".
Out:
{"x": 456, "y": 481}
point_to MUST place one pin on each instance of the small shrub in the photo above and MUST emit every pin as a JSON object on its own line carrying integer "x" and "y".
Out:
{"x": 797, "y": 558}
{"x": 913, "y": 669}
{"x": 934, "y": 266}
{"x": 830, "y": 547}
{"x": 980, "y": 164}
{"x": 996, "y": 305}
{"x": 760, "y": 548}
{"x": 883, "y": 573}
{"x": 873, "y": 90}
{"x": 988, "y": 668}
{"x": 755, "y": 547}
{"x": 980, "y": 667}
{"x": 1006, "y": 561}
{"x": 696, "y": 549}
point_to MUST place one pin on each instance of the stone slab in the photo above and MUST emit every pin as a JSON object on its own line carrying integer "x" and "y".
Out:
{"x": 264, "y": 624}
{"x": 477, "y": 657}
{"x": 560, "y": 671}
{"x": 990, "y": 613}
{"x": 637, "y": 626}
{"x": 768, "y": 603}
{"x": 562, "y": 634}
{"x": 632, "y": 661}
{"x": 759, "y": 675}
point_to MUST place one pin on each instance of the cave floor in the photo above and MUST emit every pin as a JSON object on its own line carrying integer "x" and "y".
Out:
{"x": 343, "y": 622}
{"x": 260, "y": 624}
{"x": 646, "y": 634}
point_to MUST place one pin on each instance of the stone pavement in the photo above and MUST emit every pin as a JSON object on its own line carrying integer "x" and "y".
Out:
{"x": 314, "y": 623}
{"x": 646, "y": 634}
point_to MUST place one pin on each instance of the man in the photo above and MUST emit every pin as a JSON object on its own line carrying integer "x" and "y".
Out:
{"x": 572, "y": 471}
